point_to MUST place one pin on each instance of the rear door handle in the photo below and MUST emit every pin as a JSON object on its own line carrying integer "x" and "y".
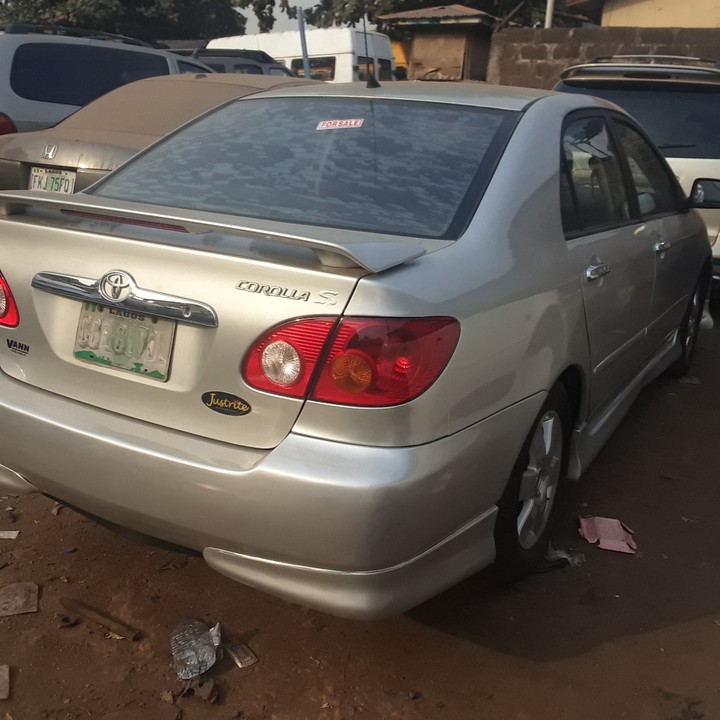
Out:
{"x": 595, "y": 272}
{"x": 661, "y": 247}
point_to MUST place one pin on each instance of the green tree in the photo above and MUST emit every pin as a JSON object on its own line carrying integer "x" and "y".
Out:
{"x": 264, "y": 11}
{"x": 145, "y": 19}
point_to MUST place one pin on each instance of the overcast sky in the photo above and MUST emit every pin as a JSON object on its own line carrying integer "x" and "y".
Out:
{"x": 282, "y": 22}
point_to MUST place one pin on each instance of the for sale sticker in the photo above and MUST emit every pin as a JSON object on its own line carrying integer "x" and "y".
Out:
{"x": 337, "y": 124}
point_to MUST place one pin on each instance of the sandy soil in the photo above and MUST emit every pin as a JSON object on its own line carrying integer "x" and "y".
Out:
{"x": 620, "y": 636}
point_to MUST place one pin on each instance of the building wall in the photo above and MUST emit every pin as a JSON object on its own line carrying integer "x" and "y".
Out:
{"x": 532, "y": 57}
{"x": 661, "y": 13}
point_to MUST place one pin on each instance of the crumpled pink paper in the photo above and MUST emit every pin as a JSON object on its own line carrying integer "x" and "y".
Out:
{"x": 609, "y": 534}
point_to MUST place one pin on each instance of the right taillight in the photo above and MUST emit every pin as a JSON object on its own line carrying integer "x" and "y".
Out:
{"x": 367, "y": 362}
{"x": 7, "y": 126}
{"x": 9, "y": 316}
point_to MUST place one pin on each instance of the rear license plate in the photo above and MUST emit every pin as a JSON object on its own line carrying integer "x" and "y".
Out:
{"x": 124, "y": 340}
{"x": 52, "y": 180}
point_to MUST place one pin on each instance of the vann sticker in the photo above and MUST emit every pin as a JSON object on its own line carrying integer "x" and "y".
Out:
{"x": 18, "y": 347}
{"x": 225, "y": 403}
{"x": 337, "y": 124}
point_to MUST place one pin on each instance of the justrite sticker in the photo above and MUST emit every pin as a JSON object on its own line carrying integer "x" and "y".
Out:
{"x": 225, "y": 403}
{"x": 337, "y": 124}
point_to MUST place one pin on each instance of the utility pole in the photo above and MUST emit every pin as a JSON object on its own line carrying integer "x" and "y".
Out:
{"x": 303, "y": 44}
{"x": 549, "y": 10}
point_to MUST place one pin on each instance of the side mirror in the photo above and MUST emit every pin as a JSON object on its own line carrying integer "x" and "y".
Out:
{"x": 705, "y": 193}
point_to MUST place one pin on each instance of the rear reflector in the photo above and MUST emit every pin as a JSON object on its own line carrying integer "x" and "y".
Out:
{"x": 366, "y": 362}
{"x": 9, "y": 316}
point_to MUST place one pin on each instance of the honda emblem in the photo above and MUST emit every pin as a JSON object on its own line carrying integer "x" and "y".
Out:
{"x": 49, "y": 152}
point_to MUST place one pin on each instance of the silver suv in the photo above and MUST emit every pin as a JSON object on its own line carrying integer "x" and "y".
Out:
{"x": 677, "y": 101}
{"x": 46, "y": 73}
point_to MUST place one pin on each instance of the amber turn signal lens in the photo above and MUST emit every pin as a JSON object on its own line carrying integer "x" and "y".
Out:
{"x": 351, "y": 372}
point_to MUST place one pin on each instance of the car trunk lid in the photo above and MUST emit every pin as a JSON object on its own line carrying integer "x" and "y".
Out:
{"x": 82, "y": 268}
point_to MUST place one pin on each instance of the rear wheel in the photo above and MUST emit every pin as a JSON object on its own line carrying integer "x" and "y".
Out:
{"x": 529, "y": 504}
{"x": 688, "y": 332}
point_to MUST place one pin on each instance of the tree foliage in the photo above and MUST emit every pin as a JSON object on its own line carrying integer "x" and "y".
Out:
{"x": 170, "y": 19}
{"x": 144, "y": 19}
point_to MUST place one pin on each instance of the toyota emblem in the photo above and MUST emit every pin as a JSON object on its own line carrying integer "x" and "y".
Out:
{"x": 116, "y": 286}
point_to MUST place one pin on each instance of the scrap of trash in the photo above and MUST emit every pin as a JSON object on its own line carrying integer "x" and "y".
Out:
{"x": 608, "y": 534}
{"x": 557, "y": 558}
{"x": 18, "y": 598}
{"x": 195, "y": 649}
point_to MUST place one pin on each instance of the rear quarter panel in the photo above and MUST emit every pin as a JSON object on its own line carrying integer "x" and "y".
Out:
{"x": 509, "y": 280}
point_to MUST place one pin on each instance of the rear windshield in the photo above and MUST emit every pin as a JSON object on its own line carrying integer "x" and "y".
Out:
{"x": 405, "y": 168}
{"x": 683, "y": 122}
{"x": 76, "y": 74}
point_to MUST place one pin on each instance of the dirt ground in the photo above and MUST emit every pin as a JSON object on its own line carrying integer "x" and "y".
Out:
{"x": 620, "y": 636}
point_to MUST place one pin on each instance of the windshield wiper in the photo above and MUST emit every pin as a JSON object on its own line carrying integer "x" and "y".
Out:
{"x": 675, "y": 147}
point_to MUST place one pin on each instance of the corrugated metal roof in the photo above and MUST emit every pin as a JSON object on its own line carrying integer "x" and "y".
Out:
{"x": 441, "y": 12}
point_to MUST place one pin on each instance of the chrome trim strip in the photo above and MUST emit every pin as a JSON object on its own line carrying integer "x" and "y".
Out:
{"x": 171, "y": 307}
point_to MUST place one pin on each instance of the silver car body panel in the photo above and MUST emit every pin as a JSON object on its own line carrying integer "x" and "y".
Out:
{"x": 334, "y": 504}
{"x": 352, "y": 510}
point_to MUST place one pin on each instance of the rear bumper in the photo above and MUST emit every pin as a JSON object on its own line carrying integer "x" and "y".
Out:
{"x": 354, "y": 531}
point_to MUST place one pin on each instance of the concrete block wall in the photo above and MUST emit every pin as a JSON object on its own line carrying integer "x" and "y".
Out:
{"x": 530, "y": 57}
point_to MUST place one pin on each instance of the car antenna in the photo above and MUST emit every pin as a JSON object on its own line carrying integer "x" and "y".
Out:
{"x": 371, "y": 80}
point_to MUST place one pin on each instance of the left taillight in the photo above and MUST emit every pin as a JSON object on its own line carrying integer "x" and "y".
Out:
{"x": 366, "y": 362}
{"x": 7, "y": 126}
{"x": 9, "y": 315}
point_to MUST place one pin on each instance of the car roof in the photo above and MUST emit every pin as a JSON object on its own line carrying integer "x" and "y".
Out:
{"x": 60, "y": 31}
{"x": 154, "y": 106}
{"x": 645, "y": 68}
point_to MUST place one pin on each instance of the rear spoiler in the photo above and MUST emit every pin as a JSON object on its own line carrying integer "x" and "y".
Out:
{"x": 372, "y": 251}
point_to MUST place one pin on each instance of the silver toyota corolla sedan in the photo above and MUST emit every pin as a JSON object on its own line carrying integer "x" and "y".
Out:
{"x": 347, "y": 342}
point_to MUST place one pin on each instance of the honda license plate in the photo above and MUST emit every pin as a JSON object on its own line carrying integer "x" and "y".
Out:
{"x": 124, "y": 340}
{"x": 52, "y": 180}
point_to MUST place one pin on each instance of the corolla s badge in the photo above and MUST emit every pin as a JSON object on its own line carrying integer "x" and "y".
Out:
{"x": 116, "y": 286}
{"x": 49, "y": 152}
{"x": 225, "y": 403}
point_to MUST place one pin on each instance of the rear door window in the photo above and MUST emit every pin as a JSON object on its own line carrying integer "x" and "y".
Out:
{"x": 188, "y": 68}
{"x": 321, "y": 68}
{"x": 385, "y": 69}
{"x": 406, "y": 168}
{"x": 593, "y": 180}
{"x": 71, "y": 74}
{"x": 654, "y": 186}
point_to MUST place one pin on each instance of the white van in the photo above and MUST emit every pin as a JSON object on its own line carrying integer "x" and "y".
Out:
{"x": 335, "y": 54}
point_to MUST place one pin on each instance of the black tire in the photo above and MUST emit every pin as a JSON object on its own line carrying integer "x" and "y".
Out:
{"x": 688, "y": 332}
{"x": 529, "y": 504}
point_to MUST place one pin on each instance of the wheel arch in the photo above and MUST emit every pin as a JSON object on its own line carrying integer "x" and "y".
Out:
{"x": 572, "y": 380}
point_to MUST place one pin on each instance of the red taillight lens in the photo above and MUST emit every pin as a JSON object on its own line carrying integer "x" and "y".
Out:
{"x": 379, "y": 362}
{"x": 284, "y": 359}
{"x": 369, "y": 362}
{"x": 9, "y": 316}
{"x": 7, "y": 126}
